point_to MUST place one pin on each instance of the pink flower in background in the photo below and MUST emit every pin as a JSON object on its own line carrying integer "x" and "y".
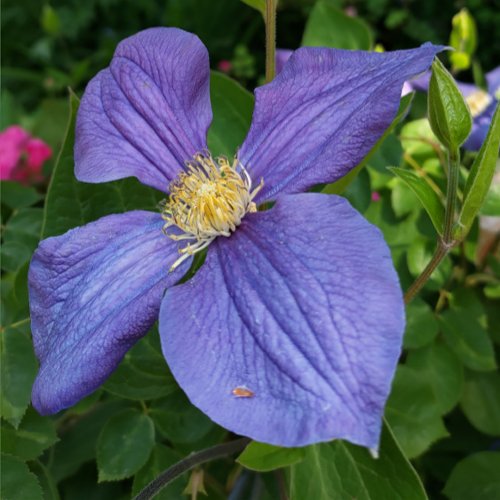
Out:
{"x": 375, "y": 196}
{"x": 225, "y": 66}
{"x": 22, "y": 156}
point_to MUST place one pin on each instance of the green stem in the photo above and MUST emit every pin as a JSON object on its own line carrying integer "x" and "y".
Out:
{"x": 270, "y": 19}
{"x": 446, "y": 243}
{"x": 219, "y": 451}
{"x": 451, "y": 195}
{"x": 439, "y": 255}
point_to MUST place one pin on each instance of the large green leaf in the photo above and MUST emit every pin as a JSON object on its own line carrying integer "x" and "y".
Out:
{"x": 178, "y": 420}
{"x": 481, "y": 401}
{"x": 20, "y": 237}
{"x": 18, "y": 370}
{"x": 15, "y": 195}
{"x": 330, "y": 26}
{"x": 413, "y": 412}
{"x": 475, "y": 478}
{"x": 442, "y": 370}
{"x": 469, "y": 339}
{"x": 124, "y": 445}
{"x": 421, "y": 324}
{"x": 70, "y": 203}
{"x": 34, "y": 434}
{"x": 479, "y": 179}
{"x": 79, "y": 437}
{"x": 427, "y": 196}
{"x": 17, "y": 482}
{"x": 232, "y": 106}
{"x": 344, "y": 471}
{"x": 264, "y": 457}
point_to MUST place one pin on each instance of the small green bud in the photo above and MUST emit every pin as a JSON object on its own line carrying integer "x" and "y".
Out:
{"x": 449, "y": 115}
{"x": 463, "y": 38}
{"x": 50, "y": 21}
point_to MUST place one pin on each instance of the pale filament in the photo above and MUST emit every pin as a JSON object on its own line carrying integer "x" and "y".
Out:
{"x": 478, "y": 101}
{"x": 209, "y": 199}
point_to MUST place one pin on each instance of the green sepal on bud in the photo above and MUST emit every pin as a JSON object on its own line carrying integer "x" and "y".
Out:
{"x": 449, "y": 114}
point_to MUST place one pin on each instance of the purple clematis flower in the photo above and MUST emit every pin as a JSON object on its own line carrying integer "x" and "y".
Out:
{"x": 291, "y": 330}
{"x": 482, "y": 104}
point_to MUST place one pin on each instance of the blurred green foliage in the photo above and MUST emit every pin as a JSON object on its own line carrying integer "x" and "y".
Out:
{"x": 444, "y": 410}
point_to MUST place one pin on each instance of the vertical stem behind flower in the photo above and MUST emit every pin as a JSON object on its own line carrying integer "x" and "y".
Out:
{"x": 270, "y": 20}
{"x": 446, "y": 243}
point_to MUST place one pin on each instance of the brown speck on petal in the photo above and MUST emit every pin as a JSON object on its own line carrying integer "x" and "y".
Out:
{"x": 242, "y": 392}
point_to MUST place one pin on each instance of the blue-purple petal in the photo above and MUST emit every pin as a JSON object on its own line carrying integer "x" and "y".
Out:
{"x": 282, "y": 56}
{"x": 493, "y": 80}
{"x": 323, "y": 113}
{"x": 291, "y": 331}
{"x": 147, "y": 113}
{"x": 94, "y": 291}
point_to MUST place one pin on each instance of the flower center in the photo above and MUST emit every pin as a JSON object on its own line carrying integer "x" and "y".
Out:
{"x": 478, "y": 101}
{"x": 208, "y": 199}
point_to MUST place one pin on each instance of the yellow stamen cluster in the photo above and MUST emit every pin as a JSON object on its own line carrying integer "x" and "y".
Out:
{"x": 478, "y": 101}
{"x": 208, "y": 199}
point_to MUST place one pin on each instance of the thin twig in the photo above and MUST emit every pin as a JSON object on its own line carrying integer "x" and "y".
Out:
{"x": 219, "y": 451}
{"x": 270, "y": 20}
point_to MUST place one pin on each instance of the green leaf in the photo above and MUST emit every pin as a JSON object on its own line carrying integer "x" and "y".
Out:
{"x": 345, "y": 471}
{"x": 124, "y": 445}
{"x": 143, "y": 373}
{"x": 161, "y": 458}
{"x": 18, "y": 369}
{"x": 463, "y": 38}
{"x": 329, "y": 26}
{"x": 491, "y": 205}
{"x": 413, "y": 413}
{"x": 449, "y": 114}
{"x": 469, "y": 339}
{"x": 15, "y": 195}
{"x": 481, "y": 401}
{"x": 178, "y": 420}
{"x": 417, "y": 138}
{"x": 427, "y": 196}
{"x": 475, "y": 478}
{"x": 259, "y": 5}
{"x": 70, "y": 203}
{"x": 46, "y": 481}
{"x": 421, "y": 324}
{"x": 232, "y": 106}
{"x": 82, "y": 435}
{"x": 358, "y": 192}
{"x": 403, "y": 200}
{"x": 264, "y": 457}
{"x": 34, "y": 434}
{"x": 20, "y": 237}
{"x": 17, "y": 482}
{"x": 442, "y": 370}
{"x": 479, "y": 179}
